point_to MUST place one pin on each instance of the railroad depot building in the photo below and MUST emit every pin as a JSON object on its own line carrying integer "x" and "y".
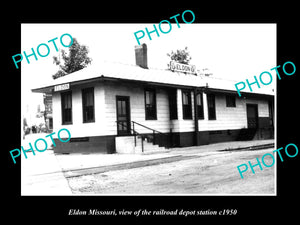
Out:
{"x": 114, "y": 107}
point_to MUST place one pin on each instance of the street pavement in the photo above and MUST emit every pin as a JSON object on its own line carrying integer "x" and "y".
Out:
{"x": 82, "y": 164}
{"x": 206, "y": 174}
{"x": 47, "y": 173}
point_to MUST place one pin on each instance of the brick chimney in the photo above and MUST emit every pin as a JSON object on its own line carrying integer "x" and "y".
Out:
{"x": 141, "y": 56}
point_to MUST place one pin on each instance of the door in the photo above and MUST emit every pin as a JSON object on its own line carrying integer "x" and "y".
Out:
{"x": 123, "y": 115}
{"x": 252, "y": 116}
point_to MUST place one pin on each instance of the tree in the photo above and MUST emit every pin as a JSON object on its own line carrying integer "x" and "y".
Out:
{"x": 76, "y": 59}
{"x": 180, "y": 56}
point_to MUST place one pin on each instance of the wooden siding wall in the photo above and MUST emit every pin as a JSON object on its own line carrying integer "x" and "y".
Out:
{"x": 137, "y": 107}
{"x": 230, "y": 117}
{"x": 105, "y": 111}
{"x": 226, "y": 117}
{"x": 183, "y": 125}
{"x": 78, "y": 128}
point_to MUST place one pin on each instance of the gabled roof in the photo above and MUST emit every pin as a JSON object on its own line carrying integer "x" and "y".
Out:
{"x": 119, "y": 71}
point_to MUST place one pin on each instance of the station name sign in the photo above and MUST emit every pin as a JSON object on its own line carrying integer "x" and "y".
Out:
{"x": 184, "y": 68}
{"x": 62, "y": 87}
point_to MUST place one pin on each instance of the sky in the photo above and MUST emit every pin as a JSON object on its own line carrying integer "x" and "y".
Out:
{"x": 230, "y": 51}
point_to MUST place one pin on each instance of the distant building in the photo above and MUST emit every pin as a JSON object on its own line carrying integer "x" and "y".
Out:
{"x": 104, "y": 103}
{"x": 48, "y": 111}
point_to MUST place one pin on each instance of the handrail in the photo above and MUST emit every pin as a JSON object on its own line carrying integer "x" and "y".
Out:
{"x": 147, "y": 127}
{"x": 135, "y": 133}
{"x": 119, "y": 122}
{"x": 154, "y": 140}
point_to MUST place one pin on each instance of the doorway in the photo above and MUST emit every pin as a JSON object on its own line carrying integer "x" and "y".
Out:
{"x": 123, "y": 115}
{"x": 252, "y": 116}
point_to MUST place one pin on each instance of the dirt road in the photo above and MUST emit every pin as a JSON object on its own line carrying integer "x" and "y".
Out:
{"x": 211, "y": 174}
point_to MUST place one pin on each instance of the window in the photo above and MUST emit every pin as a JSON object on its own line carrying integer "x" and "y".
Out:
{"x": 150, "y": 104}
{"x": 186, "y": 105}
{"x": 211, "y": 106}
{"x": 88, "y": 105}
{"x": 200, "y": 106}
{"x": 173, "y": 104}
{"x": 66, "y": 107}
{"x": 230, "y": 101}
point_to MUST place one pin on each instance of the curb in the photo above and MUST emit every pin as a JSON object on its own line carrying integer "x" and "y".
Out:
{"x": 123, "y": 166}
{"x": 262, "y": 146}
{"x": 249, "y": 148}
{"x": 151, "y": 162}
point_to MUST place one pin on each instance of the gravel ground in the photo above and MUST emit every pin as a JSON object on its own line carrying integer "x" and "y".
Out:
{"x": 211, "y": 174}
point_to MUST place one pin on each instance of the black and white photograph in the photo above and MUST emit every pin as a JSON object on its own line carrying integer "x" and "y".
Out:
{"x": 150, "y": 113}
{"x": 130, "y": 109}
